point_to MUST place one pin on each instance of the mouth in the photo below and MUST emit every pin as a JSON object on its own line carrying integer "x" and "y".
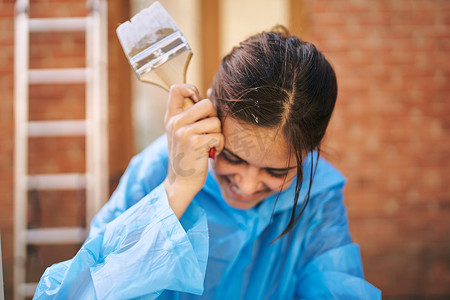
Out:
{"x": 234, "y": 191}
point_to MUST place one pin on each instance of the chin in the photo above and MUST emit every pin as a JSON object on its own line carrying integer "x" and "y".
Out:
{"x": 237, "y": 200}
{"x": 239, "y": 205}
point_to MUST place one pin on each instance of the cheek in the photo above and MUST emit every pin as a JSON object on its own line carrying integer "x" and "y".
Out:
{"x": 280, "y": 183}
{"x": 275, "y": 184}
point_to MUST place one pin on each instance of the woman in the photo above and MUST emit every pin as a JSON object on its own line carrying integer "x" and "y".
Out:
{"x": 264, "y": 219}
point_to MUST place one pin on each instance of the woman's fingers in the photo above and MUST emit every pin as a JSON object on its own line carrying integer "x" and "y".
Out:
{"x": 206, "y": 142}
{"x": 208, "y": 125}
{"x": 204, "y": 127}
{"x": 204, "y": 109}
{"x": 177, "y": 95}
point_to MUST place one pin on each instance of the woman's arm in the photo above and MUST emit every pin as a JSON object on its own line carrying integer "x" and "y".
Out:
{"x": 142, "y": 252}
{"x": 137, "y": 246}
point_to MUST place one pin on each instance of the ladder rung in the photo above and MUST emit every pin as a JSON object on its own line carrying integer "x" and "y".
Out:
{"x": 61, "y": 235}
{"x": 28, "y": 289}
{"x": 69, "y": 181}
{"x": 57, "y": 24}
{"x": 56, "y": 128}
{"x": 51, "y": 76}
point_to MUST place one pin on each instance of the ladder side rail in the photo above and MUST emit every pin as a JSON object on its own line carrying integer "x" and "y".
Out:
{"x": 21, "y": 62}
{"x": 96, "y": 109}
{"x": 101, "y": 105}
{"x": 90, "y": 194}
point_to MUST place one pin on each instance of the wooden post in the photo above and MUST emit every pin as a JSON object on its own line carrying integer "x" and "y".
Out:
{"x": 298, "y": 19}
{"x": 121, "y": 140}
{"x": 210, "y": 41}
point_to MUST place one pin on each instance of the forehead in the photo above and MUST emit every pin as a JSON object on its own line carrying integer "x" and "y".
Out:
{"x": 263, "y": 147}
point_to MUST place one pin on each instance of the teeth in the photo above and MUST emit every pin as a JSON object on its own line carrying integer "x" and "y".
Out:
{"x": 235, "y": 189}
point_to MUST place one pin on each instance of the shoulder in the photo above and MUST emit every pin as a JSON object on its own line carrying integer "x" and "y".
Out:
{"x": 157, "y": 150}
{"x": 325, "y": 175}
{"x": 323, "y": 224}
{"x": 149, "y": 167}
{"x": 154, "y": 154}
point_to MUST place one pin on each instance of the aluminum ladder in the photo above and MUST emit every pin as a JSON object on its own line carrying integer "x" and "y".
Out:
{"x": 93, "y": 127}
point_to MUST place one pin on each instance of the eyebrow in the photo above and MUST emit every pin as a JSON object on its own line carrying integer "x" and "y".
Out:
{"x": 244, "y": 161}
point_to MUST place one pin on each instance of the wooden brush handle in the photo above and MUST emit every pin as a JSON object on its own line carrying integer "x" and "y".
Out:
{"x": 187, "y": 103}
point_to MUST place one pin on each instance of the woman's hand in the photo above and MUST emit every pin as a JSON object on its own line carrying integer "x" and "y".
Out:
{"x": 190, "y": 133}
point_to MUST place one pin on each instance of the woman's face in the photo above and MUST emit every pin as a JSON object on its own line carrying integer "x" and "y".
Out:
{"x": 253, "y": 164}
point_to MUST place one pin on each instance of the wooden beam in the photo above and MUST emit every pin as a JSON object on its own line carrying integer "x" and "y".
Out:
{"x": 298, "y": 18}
{"x": 210, "y": 41}
{"x": 121, "y": 139}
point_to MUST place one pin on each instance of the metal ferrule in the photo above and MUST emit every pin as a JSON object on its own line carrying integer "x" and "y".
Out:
{"x": 158, "y": 53}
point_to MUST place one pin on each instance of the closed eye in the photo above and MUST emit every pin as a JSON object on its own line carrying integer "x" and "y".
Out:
{"x": 236, "y": 160}
{"x": 231, "y": 159}
{"x": 277, "y": 173}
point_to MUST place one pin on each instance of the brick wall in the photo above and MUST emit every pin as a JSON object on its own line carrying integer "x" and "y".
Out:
{"x": 390, "y": 135}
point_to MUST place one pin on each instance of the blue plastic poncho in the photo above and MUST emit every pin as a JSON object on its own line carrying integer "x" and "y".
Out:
{"x": 137, "y": 248}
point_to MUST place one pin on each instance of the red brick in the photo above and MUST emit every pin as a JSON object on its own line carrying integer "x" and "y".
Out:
{"x": 389, "y": 135}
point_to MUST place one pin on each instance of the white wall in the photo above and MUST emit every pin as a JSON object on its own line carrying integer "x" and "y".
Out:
{"x": 243, "y": 18}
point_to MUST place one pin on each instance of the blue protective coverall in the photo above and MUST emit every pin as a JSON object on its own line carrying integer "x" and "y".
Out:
{"x": 137, "y": 248}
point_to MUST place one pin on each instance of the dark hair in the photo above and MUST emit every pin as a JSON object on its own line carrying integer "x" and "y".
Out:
{"x": 274, "y": 80}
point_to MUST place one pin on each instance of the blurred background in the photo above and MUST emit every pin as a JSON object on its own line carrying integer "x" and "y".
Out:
{"x": 390, "y": 133}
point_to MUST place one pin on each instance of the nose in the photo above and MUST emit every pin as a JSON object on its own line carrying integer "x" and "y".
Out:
{"x": 248, "y": 180}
